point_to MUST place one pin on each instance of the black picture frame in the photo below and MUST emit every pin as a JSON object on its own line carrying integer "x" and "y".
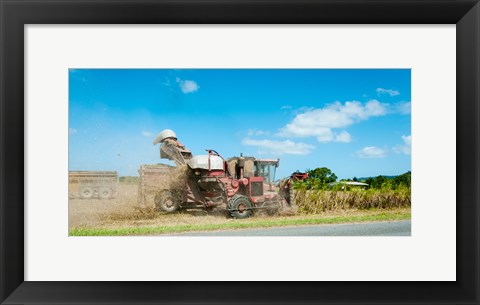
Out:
{"x": 16, "y": 13}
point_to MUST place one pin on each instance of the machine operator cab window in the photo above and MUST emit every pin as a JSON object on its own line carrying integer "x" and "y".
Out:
{"x": 266, "y": 169}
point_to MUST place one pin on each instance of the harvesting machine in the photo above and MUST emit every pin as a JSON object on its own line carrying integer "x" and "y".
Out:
{"x": 240, "y": 185}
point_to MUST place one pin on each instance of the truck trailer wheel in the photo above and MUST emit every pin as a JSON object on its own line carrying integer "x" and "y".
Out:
{"x": 105, "y": 193}
{"x": 86, "y": 192}
{"x": 166, "y": 202}
{"x": 240, "y": 207}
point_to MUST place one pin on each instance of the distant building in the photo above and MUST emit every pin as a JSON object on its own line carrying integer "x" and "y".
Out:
{"x": 349, "y": 183}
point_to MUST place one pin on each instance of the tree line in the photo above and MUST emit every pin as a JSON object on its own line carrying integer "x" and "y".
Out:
{"x": 324, "y": 178}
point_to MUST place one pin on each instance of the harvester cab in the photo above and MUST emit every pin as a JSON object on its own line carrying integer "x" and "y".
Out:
{"x": 266, "y": 168}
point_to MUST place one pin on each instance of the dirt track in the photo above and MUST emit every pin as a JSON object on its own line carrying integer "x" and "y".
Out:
{"x": 93, "y": 212}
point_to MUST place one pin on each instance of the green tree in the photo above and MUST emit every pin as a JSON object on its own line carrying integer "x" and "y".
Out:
{"x": 403, "y": 180}
{"x": 321, "y": 176}
{"x": 369, "y": 181}
{"x": 378, "y": 181}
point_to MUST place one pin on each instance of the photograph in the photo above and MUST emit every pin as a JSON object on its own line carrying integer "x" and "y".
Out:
{"x": 239, "y": 152}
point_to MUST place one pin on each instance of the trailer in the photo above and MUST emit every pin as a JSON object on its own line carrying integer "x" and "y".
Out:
{"x": 92, "y": 184}
{"x": 152, "y": 177}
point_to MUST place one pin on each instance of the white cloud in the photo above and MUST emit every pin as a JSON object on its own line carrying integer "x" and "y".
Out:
{"x": 390, "y": 92}
{"x": 285, "y": 107}
{"x": 324, "y": 135}
{"x": 280, "y": 147}
{"x": 406, "y": 148}
{"x": 256, "y": 132}
{"x": 187, "y": 86}
{"x": 372, "y": 152}
{"x": 402, "y": 108}
{"x": 147, "y": 133}
{"x": 344, "y": 137}
{"x": 320, "y": 122}
{"x": 72, "y": 131}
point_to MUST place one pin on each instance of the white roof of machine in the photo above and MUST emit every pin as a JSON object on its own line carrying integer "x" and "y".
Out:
{"x": 216, "y": 163}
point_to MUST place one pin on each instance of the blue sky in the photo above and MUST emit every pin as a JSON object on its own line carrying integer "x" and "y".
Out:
{"x": 355, "y": 122}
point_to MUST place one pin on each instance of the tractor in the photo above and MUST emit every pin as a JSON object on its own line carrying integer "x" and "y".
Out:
{"x": 240, "y": 185}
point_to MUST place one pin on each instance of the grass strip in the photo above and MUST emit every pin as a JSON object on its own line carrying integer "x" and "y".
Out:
{"x": 240, "y": 224}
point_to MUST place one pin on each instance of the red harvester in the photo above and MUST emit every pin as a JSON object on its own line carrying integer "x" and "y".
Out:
{"x": 240, "y": 185}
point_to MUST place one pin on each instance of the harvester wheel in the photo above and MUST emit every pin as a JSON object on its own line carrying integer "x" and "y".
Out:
{"x": 275, "y": 205}
{"x": 272, "y": 210}
{"x": 86, "y": 192}
{"x": 105, "y": 193}
{"x": 165, "y": 201}
{"x": 240, "y": 207}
